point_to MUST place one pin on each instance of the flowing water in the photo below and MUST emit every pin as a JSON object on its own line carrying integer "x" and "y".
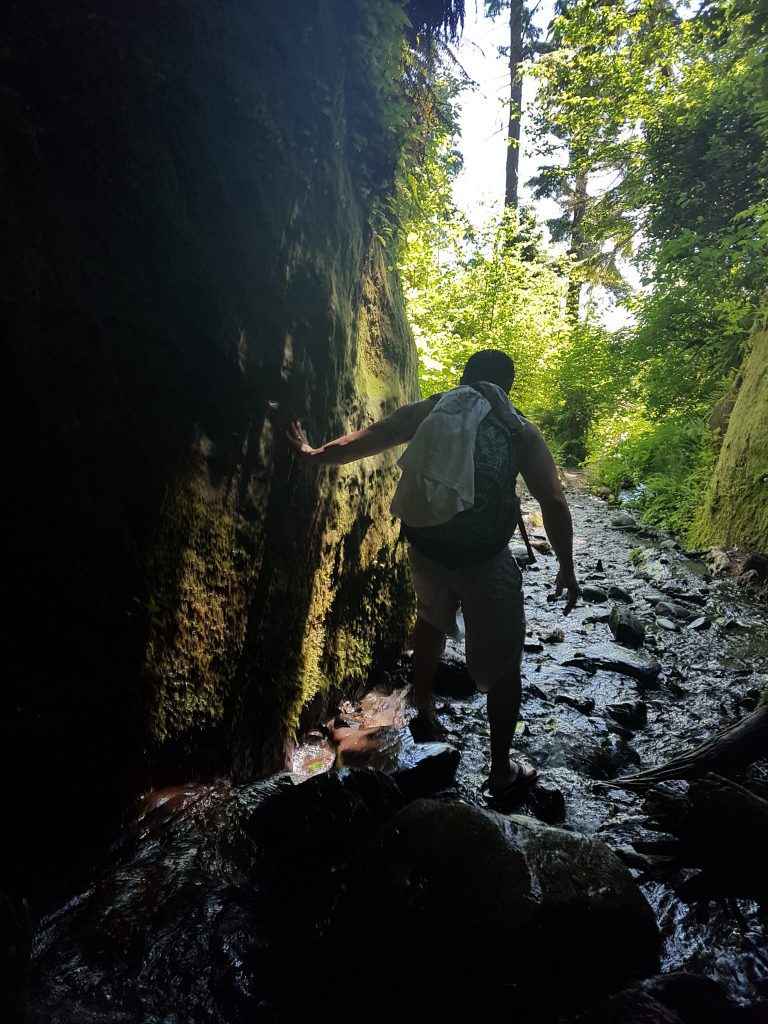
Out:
{"x": 179, "y": 927}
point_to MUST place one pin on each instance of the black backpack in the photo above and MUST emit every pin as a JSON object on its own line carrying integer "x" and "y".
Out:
{"x": 485, "y": 529}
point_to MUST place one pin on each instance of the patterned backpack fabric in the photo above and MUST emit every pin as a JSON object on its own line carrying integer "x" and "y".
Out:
{"x": 485, "y": 529}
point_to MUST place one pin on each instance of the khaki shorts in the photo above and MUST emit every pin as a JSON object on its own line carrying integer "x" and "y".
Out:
{"x": 490, "y": 595}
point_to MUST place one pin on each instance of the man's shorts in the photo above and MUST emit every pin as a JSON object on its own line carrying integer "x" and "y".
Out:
{"x": 490, "y": 595}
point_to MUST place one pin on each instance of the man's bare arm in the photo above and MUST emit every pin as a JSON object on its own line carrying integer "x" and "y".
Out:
{"x": 397, "y": 428}
{"x": 540, "y": 474}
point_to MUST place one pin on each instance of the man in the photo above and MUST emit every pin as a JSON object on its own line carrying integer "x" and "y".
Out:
{"x": 465, "y": 561}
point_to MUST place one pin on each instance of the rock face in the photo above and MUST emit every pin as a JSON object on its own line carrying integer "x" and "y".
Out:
{"x": 735, "y": 507}
{"x": 188, "y": 263}
{"x": 509, "y": 901}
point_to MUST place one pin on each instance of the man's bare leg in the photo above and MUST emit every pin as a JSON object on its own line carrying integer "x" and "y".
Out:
{"x": 428, "y": 647}
{"x": 503, "y": 709}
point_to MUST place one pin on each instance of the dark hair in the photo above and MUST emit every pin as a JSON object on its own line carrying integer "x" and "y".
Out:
{"x": 490, "y": 364}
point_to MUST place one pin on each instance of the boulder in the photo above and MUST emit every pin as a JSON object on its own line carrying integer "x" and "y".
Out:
{"x": 675, "y": 610}
{"x": 624, "y": 522}
{"x": 508, "y": 895}
{"x": 631, "y": 714}
{"x": 619, "y": 594}
{"x": 677, "y": 998}
{"x": 595, "y": 595}
{"x": 626, "y": 627}
{"x": 324, "y": 818}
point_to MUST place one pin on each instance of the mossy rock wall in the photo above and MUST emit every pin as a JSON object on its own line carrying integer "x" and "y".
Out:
{"x": 188, "y": 263}
{"x": 735, "y": 507}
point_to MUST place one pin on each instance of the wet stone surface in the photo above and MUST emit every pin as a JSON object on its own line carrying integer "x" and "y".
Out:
{"x": 218, "y": 898}
{"x": 594, "y": 710}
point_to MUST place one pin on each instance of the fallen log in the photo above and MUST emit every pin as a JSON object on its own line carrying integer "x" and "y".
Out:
{"x": 727, "y": 753}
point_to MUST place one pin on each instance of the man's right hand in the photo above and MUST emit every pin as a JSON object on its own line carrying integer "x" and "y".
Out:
{"x": 566, "y": 581}
{"x": 298, "y": 440}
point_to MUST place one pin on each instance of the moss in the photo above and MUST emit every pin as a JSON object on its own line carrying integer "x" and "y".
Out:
{"x": 199, "y": 614}
{"x": 735, "y": 506}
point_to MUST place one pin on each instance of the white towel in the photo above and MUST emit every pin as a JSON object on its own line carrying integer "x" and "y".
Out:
{"x": 438, "y": 465}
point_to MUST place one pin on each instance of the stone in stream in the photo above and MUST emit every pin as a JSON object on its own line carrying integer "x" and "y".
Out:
{"x": 452, "y": 678}
{"x": 324, "y": 818}
{"x": 585, "y": 705}
{"x": 619, "y": 594}
{"x": 626, "y": 627}
{"x": 418, "y": 768}
{"x": 758, "y": 564}
{"x": 552, "y": 636}
{"x": 645, "y": 672}
{"x": 667, "y": 624}
{"x": 595, "y": 595}
{"x": 539, "y": 899}
{"x": 598, "y": 617}
{"x": 624, "y": 522}
{"x": 675, "y": 998}
{"x": 669, "y": 545}
{"x": 632, "y": 714}
{"x": 599, "y": 566}
{"x": 533, "y": 646}
{"x": 701, "y": 623}
{"x": 674, "y": 610}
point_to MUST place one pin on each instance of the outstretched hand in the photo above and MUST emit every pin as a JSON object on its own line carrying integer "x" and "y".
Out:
{"x": 566, "y": 581}
{"x": 297, "y": 438}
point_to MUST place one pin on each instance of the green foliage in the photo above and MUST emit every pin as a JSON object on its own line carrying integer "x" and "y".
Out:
{"x": 498, "y": 287}
{"x": 662, "y": 118}
{"x": 667, "y": 464}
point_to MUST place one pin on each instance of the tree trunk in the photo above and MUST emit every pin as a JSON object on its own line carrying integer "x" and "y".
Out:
{"x": 578, "y": 247}
{"x": 516, "y": 9}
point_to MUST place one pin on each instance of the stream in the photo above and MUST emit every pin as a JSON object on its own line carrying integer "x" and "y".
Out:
{"x": 180, "y": 925}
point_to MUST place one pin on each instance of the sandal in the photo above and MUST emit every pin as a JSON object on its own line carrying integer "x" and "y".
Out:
{"x": 512, "y": 794}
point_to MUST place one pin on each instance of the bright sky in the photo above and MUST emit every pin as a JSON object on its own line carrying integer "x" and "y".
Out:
{"x": 483, "y": 123}
{"x": 483, "y": 117}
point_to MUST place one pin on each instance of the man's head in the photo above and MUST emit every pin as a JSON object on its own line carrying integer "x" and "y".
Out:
{"x": 492, "y": 365}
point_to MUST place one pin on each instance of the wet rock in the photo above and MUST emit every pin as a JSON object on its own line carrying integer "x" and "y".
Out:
{"x": 667, "y": 624}
{"x": 733, "y": 624}
{"x": 325, "y": 817}
{"x": 678, "y": 998}
{"x": 645, "y": 672}
{"x": 552, "y": 636}
{"x": 611, "y": 758}
{"x": 452, "y": 678}
{"x": 585, "y": 705}
{"x": 619, "y": 594}
{"x": 675, "y": 610}
{"x": 757, "y": 564}
{"x": 624, "y": 522}
{"x": 424, "y": 768}
{"x": 679, "y": 593}
{"x": 437, "y": 873}
{"x": 595, "y": 595}
{"x": 542, "y": 546}
{"x": 520, "y": 554}
{"x": 546, "y": 802}
{"x": 631, "y": 714}
{"x": 533, "y": 646}
{"x": 626, "y": 627}
{"x": 701, "y": 623}
{"x": 669, "y": 545}
{"x": 599, "y": 566}
{"x": 598, "y": 618}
